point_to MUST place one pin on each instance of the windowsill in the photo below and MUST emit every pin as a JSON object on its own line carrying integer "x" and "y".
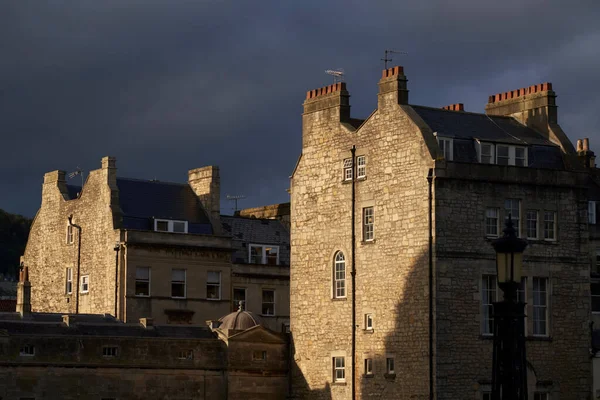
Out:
{"x": 178, "y": 298}
{"x": 484, "y": 336}
{"x": 368, "y": 376}
{"x": 213, "y": 299}
{"x": 82, "y": 293}
{"x": 361, "y": 178}
{"x": 268, "y": 315}
{"x": 345, "y": 182}
{"x": 369, "y": 331}
{"x": 27, "y": 355}
{"x": 391, "y": 376}
{"x": 144, "y": 296}
{"x": 535, "y": 338}
{"x": 367, "y": 241}
{"x": 339, "y": 298}
{"x": 339, "y": 383}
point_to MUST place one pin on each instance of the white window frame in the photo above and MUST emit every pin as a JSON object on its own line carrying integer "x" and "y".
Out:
{"x": 339, "y": 369}
{"x": 110, "y": 351}
{"x": 170, "y": 224}
{"x": 492, "y": 154}
{"x": 187, "y": 354}
{"x": 179, "y": 282}
{"x": 368, "y": 217}
{"x": 553, "y": 231}
{"x": 262, "y": 309}
{"x": 142, "y": 280}
{"x": 489, "y": 218}
{"x": 339, "y": 275}
{"x": 27, "y": 350}
{"x": 592, "y": 212}
{"x": 263, "y": 256}
{"x": 368, "y": 366}
{"x": 447, "y": 147}
{"x": 489, "y": 295}
{"x": 537, "y": 296}
{"x": 390, "y": 365}
{"x": 516, "y": 221}
{"x": 69, "y": 281}
{"x": 511, "y": 159}
{"x": 70, "y": 234}
{"x": 85, "y": 284}
{"x": 347, "y": 169}
{"x": 213, "y": 284}
{"x": 236, "y": 303}
{"x": 369, "y": 322}
{"x": 528, "y": 213}
{"x": 361, "y": 167}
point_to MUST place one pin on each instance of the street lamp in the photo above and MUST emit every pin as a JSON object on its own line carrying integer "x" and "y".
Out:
{"x": 509, "y": 371}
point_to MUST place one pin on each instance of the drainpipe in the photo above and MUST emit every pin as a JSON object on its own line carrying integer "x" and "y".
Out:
{"x": 116, "y": 249}
{"x": 78, "y": 262}
{"x": 430, "y": 183}
{"x": 353, "y": 272}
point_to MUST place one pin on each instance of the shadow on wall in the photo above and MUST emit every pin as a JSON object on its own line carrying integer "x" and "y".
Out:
{"x": 401, "y": 365}
{"x": 300, "y": 388}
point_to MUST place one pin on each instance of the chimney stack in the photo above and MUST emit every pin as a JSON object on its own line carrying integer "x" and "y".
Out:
{"x": 392, "y": 87}
{"x": 587, "y": 157}
{"x": 535, "y": 107}
{"x": 206, "y": 183}
{"x": 455, "y": 107}
{"x": 24, "y": 293}
{"x": 333, "y": 100}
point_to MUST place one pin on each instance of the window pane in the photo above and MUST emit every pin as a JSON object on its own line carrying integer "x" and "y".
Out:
{"x": 177, "y": 289}
{"x": 213, "y": 277}
{"x": 540, "y": 308}
{"x": 271, "y": 253}
{"x": 142, "y": 273}
{"x": 520, "y": 156}
{"x": 256, "y": 254}
{"x": 178, "y": 227}
{"x": 532, "y": 223}
{"x": 488, "y": 296}
{"x": 162, "y": 226}
{"x": 239, "y": 295}
{"x": 368, "y": 223}
{"x": 339, "y": 275}
{"x": 361, "y": 167}
{"x": 491, "y": 222}
{"x": 178, "y": 275}
{"x": 268, "y": 302}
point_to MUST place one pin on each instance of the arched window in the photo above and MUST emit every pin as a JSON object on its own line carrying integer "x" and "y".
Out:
{"x": 339, "y": 275}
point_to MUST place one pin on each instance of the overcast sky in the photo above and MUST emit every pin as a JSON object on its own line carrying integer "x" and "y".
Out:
{"x": 167, "y": 86}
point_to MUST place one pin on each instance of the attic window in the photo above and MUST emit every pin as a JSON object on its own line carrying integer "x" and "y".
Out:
{"x": 446, "y": 146}
{"x": 511, "y": 155}
{"x": 169, "y": 225}
{"x": 264, "y": 254}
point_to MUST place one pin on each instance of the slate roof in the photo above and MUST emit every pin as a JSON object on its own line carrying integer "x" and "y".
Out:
{"x": 51, "y": 324}
{"x": 142, "y": 201}
{"x": 246, "y": 231}
{"x": 464, "y": 127}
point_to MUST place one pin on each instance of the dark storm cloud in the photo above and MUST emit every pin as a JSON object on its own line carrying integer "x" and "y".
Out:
{"x": 169, "y": 86}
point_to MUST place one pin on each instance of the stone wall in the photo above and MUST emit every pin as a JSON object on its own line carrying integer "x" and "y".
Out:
{"x": 391, "y": 271}
{"x": 48, "y": 254}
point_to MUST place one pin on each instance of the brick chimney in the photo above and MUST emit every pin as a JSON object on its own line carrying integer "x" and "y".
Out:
{"x": 54, "y": 185}
{"x": 587, "y": 157}
{"x": 333, "y": 100}
{"x": 206, "y": 183}
{"x": 534, "y": 106}
{"x": 392, "y": 88}
{"x": 455, "y": 107}
{"x": 24, "y": 293}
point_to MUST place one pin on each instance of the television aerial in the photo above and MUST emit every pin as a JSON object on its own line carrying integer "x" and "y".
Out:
{"x": 385, "y": 58}
{"x": 235, "y": 199}
{"x": 338, "y": 74}
{"x": 78, "y": 171}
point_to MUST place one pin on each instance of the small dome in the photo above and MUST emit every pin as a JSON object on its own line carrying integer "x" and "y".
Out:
{"x": 239, "y": 320}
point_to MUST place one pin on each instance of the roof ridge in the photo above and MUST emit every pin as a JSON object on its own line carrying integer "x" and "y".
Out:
{"x": 151, "y": 181}
{"x": 464, "y": 112}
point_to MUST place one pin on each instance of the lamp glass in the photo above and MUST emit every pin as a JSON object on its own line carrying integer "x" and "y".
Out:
{"x": 509, "y": 266}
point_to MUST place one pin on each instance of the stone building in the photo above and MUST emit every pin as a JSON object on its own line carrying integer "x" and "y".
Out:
{"x": 55, "y": 356}
{"x": 136, "y": 248}
{"x": 392, "y": 271}
{"x": 131, "y": 248}
{"x": 260, "y": 271}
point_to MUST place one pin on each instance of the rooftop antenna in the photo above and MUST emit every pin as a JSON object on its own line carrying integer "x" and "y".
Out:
{"x": 78, "y": 171}
{"x": 235, "y": 199}
{"x": 338, "y": 74}
{"x": 385, "y": 58}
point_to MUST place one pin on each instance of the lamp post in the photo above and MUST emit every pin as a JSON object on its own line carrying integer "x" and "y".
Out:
{"x": 509, "y": 372}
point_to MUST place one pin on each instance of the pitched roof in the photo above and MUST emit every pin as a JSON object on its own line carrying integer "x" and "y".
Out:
{"x": 141, "y": 201}
{"x": 466, "y": 125}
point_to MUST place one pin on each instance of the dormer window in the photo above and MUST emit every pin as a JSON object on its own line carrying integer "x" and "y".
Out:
{"x": 446, "y": 147}
{"x": 511, "y": 155}
{"x": 264, "y": 254}
{"x": 169, "y": 225}
{"x": 486, "y": 153}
